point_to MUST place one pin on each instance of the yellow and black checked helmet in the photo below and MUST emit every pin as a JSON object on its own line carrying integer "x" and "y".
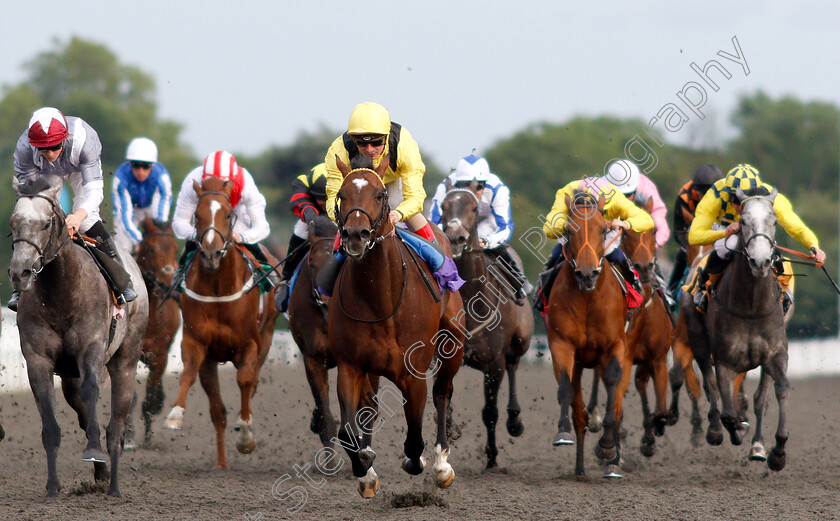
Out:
{"x": 743, "y": 176}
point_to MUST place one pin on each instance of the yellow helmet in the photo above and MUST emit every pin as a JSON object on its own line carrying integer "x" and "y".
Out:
{"x": 369, "y": 118}
{"x": 743, "y": 176}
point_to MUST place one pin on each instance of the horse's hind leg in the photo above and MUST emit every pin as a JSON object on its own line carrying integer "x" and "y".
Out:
{"x": 247, "y": 376}
{"x": 490, "y": 413}
{"x": 414, "y": 391}
{"x": 323, "y": 423}
{"x": 579, "y": 417}
{"x": 777, "y": 369}
{"x": 208, "y": 375}
{"x": 192, "y": 354}
{"x": 563, "y": 359}
{"x": 729, "y": 416}
{"x": 122, "y": 371}
{"x": 741, "y": 401}
{"x": 515, "y": 426}
{"x": 153, "y": 402}
{"x": 70, "y": 388}
{"x": 660, "y": 389}
{"x": 368, "y": 400}
{"x": 596, "y": 421}
{"x": 648, "y": 446}
{"x": 757, "y": 451}
{"x": 616, "y": 376}
{"x": 40, "y": 372}
{"x": 89, "y": 392}
{"x": 442, "y": 395}
{"x": 714, "y": 433}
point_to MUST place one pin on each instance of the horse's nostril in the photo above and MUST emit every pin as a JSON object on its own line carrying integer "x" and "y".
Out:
{"x": 365, "y": 235}
{"x": 462, "y": 240}
{"x": 345, "y": 235}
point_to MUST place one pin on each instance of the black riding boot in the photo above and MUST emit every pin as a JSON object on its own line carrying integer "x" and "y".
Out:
{"x": 623, "y": 262}
{"x": 121, "y": 282}
{"x": 713, "y": 269}
{"x": 546, "y": 278}
{"x": 678, "y": 272}
{"x": 513, "y": 273}
{"x": 297, "y": 251}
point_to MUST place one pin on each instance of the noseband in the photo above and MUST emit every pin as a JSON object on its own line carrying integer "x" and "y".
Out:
{"x": 231, "y": 217}
{"x": 573, "y": 260}
{"x": 41, "y": 256}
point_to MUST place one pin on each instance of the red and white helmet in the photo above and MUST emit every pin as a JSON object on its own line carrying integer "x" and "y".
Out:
{"x": 223, "y": 165}
{"x": 47, "y": 128}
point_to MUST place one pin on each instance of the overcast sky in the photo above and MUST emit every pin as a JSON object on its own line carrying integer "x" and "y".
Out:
{"x": 242, "y": 75}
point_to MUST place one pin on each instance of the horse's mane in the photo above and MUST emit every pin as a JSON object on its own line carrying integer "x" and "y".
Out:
{"x": 361, "y": 161}
{"x": 34, "y": 186}
{"x": 759, "y": 190}
{"x": 324, "y": 227}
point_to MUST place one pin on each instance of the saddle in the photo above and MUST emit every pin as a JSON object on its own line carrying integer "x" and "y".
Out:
{"x": 114, "y": 274}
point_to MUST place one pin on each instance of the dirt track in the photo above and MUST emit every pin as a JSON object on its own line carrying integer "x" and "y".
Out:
{"x": 171, "y": 478}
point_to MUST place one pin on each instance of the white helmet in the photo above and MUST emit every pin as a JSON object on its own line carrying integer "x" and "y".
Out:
{"x": 472, "y": 168}
{"x": 624, "y": 175}
{"x": 142, "y": 149}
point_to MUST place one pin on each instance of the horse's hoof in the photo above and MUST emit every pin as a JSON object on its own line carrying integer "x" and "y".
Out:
{"x": 413, "y": 467}
{"x": 604, "y": 453}
{"x": 613, "y": 472}
{"x": 368, "y": 456}
{"x": 515, "y": 427}
{"x": 775, "y": 461}
{"x": 659, "y": 423}
{"x": 445, "y": 480}
{"x": 369, "y": 484}
{"x": 648, "y": 449}
{"x": 673, "y": 416}
{"x": 114, "y": 493}
{"x": 697, "y": 439}
{"x": 94, "y": 456}
{"x": 563, "y": 438}
{"x": 596, "y": 423}
{"x": 736, "y": 436}
{"x": 220, "y": 466}
{"x": 758, "y": 452}
{"x": 130, "y": 444}
{"x": 745, "y": 425}
{"x": 247, "y": 446}
{"x": 714, "y": 437}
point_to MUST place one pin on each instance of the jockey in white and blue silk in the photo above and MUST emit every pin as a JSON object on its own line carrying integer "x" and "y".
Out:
{"x": 141, "y": 188}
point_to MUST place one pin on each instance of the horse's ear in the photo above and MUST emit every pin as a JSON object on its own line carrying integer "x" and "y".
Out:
{"x": 740, "y": 195}
{"x": 228, "y": 187}
{"x": 149, "y": 225}
{"x": 16, "y": 185}
{"x": 447, "y": 183}
{"x": 649, "y": 205}
{"x": 312, "y": 235}
{"x": 773, "y": 195}
{"x": 198, "y": 188}
{"x": 569, "y": 201}
{"x": 602, "y": 202}
{"x": 343, "y": 168}
{"x": 383, "y": 165}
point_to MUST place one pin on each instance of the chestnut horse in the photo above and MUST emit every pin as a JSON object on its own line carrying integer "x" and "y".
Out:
{"x": 223, "y": 322}
{"x": 585, "y": 318}
{"x": 649, "y": 336}
{"x": 157, "y": 256}
{"x": 308, "y": 313}
{"x": 499, "y": 330}
{"x": 385, "y": 320}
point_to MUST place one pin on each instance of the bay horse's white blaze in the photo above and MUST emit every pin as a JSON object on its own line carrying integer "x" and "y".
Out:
{"x": 360, "y": 183}
{"x": 175, "y": 419}
{"x": 444, "y": 473}
{"x": 215, "y": 206}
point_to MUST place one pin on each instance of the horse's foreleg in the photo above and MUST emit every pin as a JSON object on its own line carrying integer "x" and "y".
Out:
{"x": 40, "y": 372}
{"x": 153, "y": 402}
{"x": 580, "y": 418}
{"x": 729, "y": 416}
{"x": 414, "y": 391}
{"x": 515, "y": 426}
{"x": 192, "y": 354}
{"x": 123, "y": 372}
{"x": 89, "y": 392}
{"x": 648, "y": 446}
{"x": 714, "y": 433}
{"x": 247, "y": 375}
{"x": 323, "y": 423}
{"x": 368, "y": 400}
{"x": 757, "y": 451}
{"x": 741, "y": 403}
{"x": 349, "y": 389}
{"x": 442, "y": 395}
{"x": 616, "y": 377}
{"x": 563, "y": 359}
{"x": 209, "y": 376}
{"x": 660, "y": 390}
{"x": 490, "y": 413}
{"x": 70, "y": 388}
{"x": 596, "y": 421}
{"x": 777, "y": 369}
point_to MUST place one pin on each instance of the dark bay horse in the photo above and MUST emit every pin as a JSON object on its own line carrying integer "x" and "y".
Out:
{"x": 649, "y": 336}
{"x": 585, "y": 318}
{"x": 385, "y": 320}
{"x": 499, "y": 331}
{"x": 223, "y": 322}
{"x": 744, "y": 328}
{"x": 157, "y": 256}
{"x": 67, "y": 324}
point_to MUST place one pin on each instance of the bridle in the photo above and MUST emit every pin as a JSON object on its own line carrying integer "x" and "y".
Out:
{"x": 573, "y": 260}
{"x": 153, "y": 276}
{"x": 384, "y": 210}
{"x": 456, "y": 221}
{"x": 57, "y": 215}
{"x": 231, "y": 217}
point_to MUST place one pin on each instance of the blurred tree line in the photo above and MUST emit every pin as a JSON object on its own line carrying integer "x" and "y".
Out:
{"x": 794, "y": 144}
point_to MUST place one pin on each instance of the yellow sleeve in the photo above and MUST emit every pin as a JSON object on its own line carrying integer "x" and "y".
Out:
{"x": 555, "y": 224}
{"x": 706, "y": 214}
{"x": 334, "y": 176}
{"x": 410, "y": 169}
{"x": 620, "y": 207}
{"x": 793, "y": 224}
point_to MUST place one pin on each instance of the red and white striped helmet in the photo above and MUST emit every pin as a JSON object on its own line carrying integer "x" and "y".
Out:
{"x": 47, "y": 128}
{"x": 223, "y": 165}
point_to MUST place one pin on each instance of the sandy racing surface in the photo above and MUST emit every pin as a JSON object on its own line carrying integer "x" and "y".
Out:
{"x": 170, "y": 478}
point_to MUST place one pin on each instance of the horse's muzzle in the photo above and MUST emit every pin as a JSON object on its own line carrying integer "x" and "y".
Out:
{"x": 356, "y": 241}
{"x": 21, "y": 279}
{"x": 211, "y": 259}
{"x": 459, "y": 244}
{"x": 588, "y": 279}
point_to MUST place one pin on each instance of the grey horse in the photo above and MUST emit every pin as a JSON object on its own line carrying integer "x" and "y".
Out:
{"x": 744, "y": 328}
{"x": 65, "y": 321}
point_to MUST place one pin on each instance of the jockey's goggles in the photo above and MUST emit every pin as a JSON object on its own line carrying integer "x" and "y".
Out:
{"x": 373, "y": 140}
{"x": 142, "y": 165}
{"x": 479, "y": 185}
{"x": 52, "y": 148}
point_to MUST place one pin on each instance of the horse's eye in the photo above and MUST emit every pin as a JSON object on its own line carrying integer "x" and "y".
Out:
{"x": 46, "y": 225}
{"x": 380, "y": 196}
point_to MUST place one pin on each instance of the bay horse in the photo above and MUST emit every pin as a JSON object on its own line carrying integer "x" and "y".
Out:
{"x": 385, "y": 320}
{"x": 223, "y": 322}
{"x": 744, "y": 328}
{"x": 157, "y": 257}
{"x": 69, "y": 326}
{"x": 585, "y": 317}
{"x": 499, "y": 331}
{"x": 308, "y": 312}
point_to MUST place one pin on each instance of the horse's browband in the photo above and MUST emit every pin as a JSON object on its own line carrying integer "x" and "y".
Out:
{"x": 366, "y": 170}
{"x": 463, "y": 190}
{"x": 766, "y": 198}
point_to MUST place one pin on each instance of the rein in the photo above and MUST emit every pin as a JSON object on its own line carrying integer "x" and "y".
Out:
{"x": 399, "y": 301}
